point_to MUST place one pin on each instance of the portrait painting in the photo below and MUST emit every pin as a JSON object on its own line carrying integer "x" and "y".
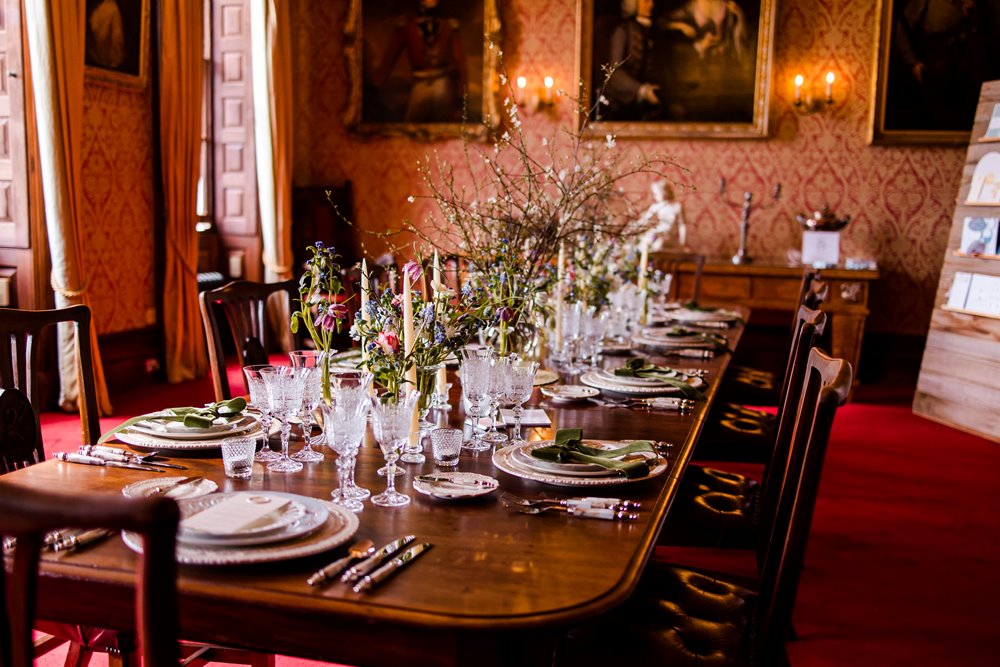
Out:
{"x": 422, "y": 67}
{"x": 931, "y": 58}
{"x": 676, "y": 68}
{"x": 117, "y": 41}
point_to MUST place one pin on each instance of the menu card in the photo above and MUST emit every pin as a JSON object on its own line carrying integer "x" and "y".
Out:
{"x": 234, "y": 514}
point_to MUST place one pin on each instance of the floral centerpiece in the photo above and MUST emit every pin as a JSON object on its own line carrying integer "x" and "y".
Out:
{"x": 441, "y": 325}
{"x": 524, "y": 198}
{"x": 321, "y": 311}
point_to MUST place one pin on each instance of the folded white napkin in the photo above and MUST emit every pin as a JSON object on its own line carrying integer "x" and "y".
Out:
{"x": 234, "y": 514}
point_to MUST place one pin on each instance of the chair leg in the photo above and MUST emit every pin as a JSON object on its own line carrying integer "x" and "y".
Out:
{"x": 77, "y": 655}
{"x": 47, "y": 643}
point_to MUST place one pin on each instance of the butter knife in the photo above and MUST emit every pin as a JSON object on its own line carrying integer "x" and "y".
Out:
{"x": 390, "y": 568}
{"x": 372, "y": 562}
{"x": 125, "y": 458}
{"x": 83, "y": 539}
{"x": 94, "y": 461}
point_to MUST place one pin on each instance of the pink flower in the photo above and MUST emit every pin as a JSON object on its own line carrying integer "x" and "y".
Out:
{"x": 412, "y": 271}
{"x": 338, "y": 311}
{"x": 388, "y": 341}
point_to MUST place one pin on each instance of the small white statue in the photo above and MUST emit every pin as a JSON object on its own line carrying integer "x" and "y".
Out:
{"x": 664, "y": 219}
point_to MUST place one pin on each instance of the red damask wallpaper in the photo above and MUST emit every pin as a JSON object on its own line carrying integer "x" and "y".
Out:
{"x": 117, "y": 208}
{"x": 901, "y": 199}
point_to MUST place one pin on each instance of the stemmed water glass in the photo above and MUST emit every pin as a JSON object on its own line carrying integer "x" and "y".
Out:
{"x": 475, "y": 375}
{"x": 495, "y": 392}
{"x": 356, "y": 384}
{"x": 310, "y": 364}
{"x": 519, "y": 378}
{"x": 344, "y": 422}
{"x": 391, "y": 423}
{"x": 259, "y": 400}
{"x": 284, "y": 395}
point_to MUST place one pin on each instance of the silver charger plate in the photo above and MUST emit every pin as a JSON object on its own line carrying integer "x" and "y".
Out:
{"x": 596, "y": 380}
{"x": 673, "y": 343}
{"x": 504, "y": 460}
{"x": 477, "y": 485}
{"x": 177, "y": 430}
{"x": 339, "y": 527}
{"x": 299, "y": 517}
{"x": 524, "y": 458}
{"x": 142, "y": 488}
{"x": 689, "y": 315}
{"x": 143, "y": 441}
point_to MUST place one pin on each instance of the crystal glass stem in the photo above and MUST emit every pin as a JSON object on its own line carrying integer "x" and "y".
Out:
{"x": 518, "y": 413}
{"x": 353, "y": 490}
{"x": 266, "y": 453}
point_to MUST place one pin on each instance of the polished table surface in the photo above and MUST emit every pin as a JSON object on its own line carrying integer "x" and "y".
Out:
{"x": 497, "y": 587}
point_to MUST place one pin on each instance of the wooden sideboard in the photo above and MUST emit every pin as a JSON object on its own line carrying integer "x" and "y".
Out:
{"x": 772, "y": 285}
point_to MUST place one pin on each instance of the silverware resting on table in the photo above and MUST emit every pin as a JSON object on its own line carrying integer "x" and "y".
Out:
{"x": 95, "y": 461}
{"x": 654, "y": 403}
{"x": 166, "y": 489}
{"x": 64, "y": 539}
{"x": 378, "y": 576}
{"x": 360, "y": 549}
{"x": 611, "y": 509}
{"x": 125, "y": 456}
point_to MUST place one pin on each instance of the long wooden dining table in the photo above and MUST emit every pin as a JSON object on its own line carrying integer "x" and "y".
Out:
{"x": 498, "y": 587}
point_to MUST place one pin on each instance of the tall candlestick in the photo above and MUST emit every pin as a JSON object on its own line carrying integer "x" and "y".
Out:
{"x": 799, "y": 80}
{"x": 829, "y": 86}
{"x": 408, "y": 345}
{"x": 641, "y": 281}
{"x": 560, "y": 270}
{"x": 441, "y": 379}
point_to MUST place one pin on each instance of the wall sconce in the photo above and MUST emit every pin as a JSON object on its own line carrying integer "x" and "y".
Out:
{"x": 809, "y": 101}
{"x": 534, "y": 99}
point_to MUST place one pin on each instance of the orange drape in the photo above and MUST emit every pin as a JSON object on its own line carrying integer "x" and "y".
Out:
{"x": 180, "y": 141}
{"x": 56, "y": 46}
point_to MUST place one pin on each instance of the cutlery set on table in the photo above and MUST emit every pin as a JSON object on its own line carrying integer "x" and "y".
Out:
{"x": 376, "y": 566}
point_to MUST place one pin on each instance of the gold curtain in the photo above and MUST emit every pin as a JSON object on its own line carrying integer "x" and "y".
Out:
{"x": 180, "y": 141}
{"x": 272, "y": 104}
{"x": 55, "y": 50}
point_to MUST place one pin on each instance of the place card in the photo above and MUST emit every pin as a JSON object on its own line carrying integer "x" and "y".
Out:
{"x": 959, "y": 291}
{"x": 235, "y": 514}
{"x": 984, "y": 294}
{"x": 531, "y": 417}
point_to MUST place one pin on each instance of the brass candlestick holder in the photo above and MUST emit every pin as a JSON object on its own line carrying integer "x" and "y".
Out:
{"x": 741, "y": 256}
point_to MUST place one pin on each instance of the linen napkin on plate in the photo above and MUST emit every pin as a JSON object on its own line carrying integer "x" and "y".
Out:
{"x": 569, "y": 448}
{"x": 191, "y": 417}
{"x": 639, "y": 368}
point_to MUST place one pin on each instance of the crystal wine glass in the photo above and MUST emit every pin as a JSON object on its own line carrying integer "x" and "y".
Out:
{"x": 344, "y": 422}
{"x": 475, "y": 376}
{"x": 519, "y": 378}
{"x": 495, "y": 391}
{"x": 391, "y": 423}
{"x": 357, "y": 383}
{"x": 284, "y": 395}
{"x": 258, "y": 399}
{"x": 312, "y": 390}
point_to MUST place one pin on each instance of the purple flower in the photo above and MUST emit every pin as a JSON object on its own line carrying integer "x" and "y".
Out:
{"x": 412, "y": 271}
{"x": 505, "y": 314}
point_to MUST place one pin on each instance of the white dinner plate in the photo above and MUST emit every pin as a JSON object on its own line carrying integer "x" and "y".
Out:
{"x": 505, "y": 460}
{"x": 178, "y": 431}
{"x": 299, "y": 517}
{"x": 596, "y": 380}
{"x": 458, "y": 485}
{"x": 339, "y": 527}
{"x": 569, "y": 392}
{"x": 524, "y": 458}
{"x": 714, "y": 315}
{"x": 167, "y": 442}
{"x": 687, "y": 342}
{"x": 193, "y": 490}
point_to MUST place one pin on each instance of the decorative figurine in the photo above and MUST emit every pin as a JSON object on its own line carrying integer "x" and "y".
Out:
{"x": 664, "y": 219}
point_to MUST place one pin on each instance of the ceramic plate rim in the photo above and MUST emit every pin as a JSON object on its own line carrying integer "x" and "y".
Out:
{"x": 238, "y": 539}
{"x": 427, "y": 488}
{"x": 553, "y": 392}
{"x": 522, "y": 456}
{"x": 143, "y": 441}
{"x": 591, "y": 379}
{"x": 500, "y": 461}
{"x": 137, "y": 489}
{"x": 219, "y": 431}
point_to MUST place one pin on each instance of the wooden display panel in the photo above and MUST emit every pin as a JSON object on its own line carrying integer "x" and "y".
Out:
{"x": 959, "y": 381}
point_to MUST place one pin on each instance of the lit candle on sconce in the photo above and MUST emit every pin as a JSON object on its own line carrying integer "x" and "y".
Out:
{"x": 549, "y": 83}
{"x": 799, "y": 80}
{"x": 522, "y": 83}
{"x": 829, "y": 87}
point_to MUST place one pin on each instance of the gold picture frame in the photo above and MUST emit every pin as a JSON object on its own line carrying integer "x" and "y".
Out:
{"x": 724, "y": 85}
{"x": 453, "y": 92}
{"x": 931, "y": 108}
{"x": 117, "y": 42}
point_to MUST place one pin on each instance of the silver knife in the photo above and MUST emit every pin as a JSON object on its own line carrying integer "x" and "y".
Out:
{"x": 370, "y": 563}
{"x": 467, "y": 483}
{"x": 126, "y": 458}
{"x": 83, "y": 539}
{"x": 94, "y": 461}
{"x": 387, "y": 570}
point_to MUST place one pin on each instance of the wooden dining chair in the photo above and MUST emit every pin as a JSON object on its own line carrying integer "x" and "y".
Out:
{"x": 21, "y": 352}
{"x": 669, "y": 262}
{"x": 243, "y": 305}
{"x": 681, "y": 616}
{"x": 720, "y": 508}
{"x": 26, "y": 515}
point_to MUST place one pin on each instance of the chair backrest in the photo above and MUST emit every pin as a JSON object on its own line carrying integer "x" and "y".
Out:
{"x": 28, "y": 514}
{"x": 670, "y": 261}
{"x": 244, "y": 304}
{"x": 827, "y": 385}
{"x": 810, "y": 325}
{"x": 20, "y": 357}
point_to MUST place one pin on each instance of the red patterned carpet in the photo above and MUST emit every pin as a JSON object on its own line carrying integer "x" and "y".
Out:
{"x": 905, "y": 548}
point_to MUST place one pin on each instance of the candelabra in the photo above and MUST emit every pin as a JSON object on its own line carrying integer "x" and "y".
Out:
{"x": 741, "y": 256}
